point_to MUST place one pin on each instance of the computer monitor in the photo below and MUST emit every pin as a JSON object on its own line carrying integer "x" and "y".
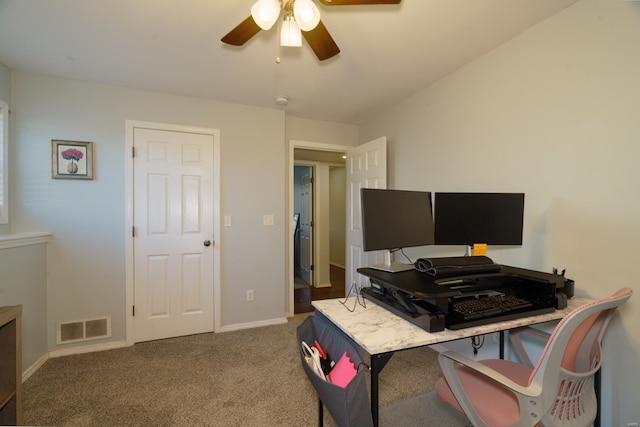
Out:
{"x": 471, "y": 218}
{"x": 395, "y": 219}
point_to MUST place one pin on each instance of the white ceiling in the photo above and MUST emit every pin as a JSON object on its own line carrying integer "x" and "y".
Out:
{"x": 388, "y": 52}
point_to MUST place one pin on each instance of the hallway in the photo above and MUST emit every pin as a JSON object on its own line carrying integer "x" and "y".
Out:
{"x": 304, "y": 295}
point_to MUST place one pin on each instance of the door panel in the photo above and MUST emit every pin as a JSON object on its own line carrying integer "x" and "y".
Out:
{"x": 366, "y": 168}
{"x": 173, "y": 217}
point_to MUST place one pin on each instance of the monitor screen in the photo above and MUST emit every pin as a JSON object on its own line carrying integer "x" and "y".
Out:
{"x": 469, "y": 218}
{"x": 395, "y": 219}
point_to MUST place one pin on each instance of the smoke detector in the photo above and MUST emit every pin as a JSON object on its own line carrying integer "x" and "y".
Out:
{"x": 283, "y": 101}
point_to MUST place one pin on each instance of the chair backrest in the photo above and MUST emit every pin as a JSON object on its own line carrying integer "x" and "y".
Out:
{"x": 572, "y": 356}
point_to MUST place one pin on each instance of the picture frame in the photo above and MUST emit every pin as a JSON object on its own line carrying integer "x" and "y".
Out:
{"x": 71, "y": 159}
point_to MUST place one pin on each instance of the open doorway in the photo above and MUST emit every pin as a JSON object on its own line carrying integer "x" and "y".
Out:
{"x": 318, "y": 200}
{"x": 303, "y": 260}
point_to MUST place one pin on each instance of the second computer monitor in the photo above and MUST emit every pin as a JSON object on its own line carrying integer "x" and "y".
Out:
{"x": 470, "y": 218}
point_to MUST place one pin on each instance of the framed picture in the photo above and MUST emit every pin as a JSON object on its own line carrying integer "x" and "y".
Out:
{"x": 71, "y": 159}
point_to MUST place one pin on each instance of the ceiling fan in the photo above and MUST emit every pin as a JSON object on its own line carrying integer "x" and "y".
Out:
{"x": 301, "y": 19}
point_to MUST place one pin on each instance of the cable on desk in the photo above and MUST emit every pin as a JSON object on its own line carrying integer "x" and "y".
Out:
{"x": 357, "y": 301}
{"x": 405, "y": 255}
{"x": 477, "y": 341}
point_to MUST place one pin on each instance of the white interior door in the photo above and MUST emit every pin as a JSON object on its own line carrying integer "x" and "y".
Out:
{"x": 366, "y": 168}
{"x": 306, "y": 226}
{"x": 173, "y": 243}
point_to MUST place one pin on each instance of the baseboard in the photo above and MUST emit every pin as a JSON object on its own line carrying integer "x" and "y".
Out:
{"x": 324, "y": 285}
{"x": 33, "y": 368}
{"x": 90, "y": 348}
{"x": 335, "y": 264}
{"x": 249, "y": 325}
{"x": 68, "y": 352}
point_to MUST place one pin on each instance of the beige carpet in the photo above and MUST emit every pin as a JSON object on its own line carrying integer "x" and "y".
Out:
{"x": 242, "y": 378}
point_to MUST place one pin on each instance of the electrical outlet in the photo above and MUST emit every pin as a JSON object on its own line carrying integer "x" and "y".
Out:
{"x": 250, "y": 295}
{"x": 227, "y": 220}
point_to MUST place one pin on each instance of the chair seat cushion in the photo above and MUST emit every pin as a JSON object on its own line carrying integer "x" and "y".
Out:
{"x": 495, "y": 404}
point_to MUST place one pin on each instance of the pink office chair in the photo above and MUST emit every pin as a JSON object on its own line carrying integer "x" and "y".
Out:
{"x": 558, "y": 391}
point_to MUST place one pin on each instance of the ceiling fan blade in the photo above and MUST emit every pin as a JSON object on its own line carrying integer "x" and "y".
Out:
{"x": 321, "y": 42}
{"x": 356, "y": 2}
{"x": 242, "y": 33}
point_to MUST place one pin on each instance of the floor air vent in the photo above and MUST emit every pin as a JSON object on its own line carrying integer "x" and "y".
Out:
{"x": 84, "y": 330}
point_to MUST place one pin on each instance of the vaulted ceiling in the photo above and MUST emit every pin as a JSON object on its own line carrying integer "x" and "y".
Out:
{"x": 388, "y": 52}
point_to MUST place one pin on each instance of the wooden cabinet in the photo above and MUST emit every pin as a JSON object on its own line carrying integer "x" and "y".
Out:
{"x": 11, "y": 365}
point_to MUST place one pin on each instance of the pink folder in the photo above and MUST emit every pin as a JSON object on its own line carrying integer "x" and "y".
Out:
{"x": 343, "y": 372}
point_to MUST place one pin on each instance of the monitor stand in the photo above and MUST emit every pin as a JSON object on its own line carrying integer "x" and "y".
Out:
{"x": 477, "y": 249}
{"x": 392, "y": 267}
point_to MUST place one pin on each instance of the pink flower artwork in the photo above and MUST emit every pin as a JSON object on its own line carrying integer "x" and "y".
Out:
{"x": 71, "y": 159}
{"x": 72, "y": 154}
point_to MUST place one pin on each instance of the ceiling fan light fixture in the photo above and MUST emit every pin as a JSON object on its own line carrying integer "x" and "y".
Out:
{"x": 290, "y": 35}
{"x": 265, "y": 13}
{"x": 307, "y": 14}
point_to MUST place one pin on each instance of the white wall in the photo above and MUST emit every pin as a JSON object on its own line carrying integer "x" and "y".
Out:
{"x": 5, "y": 83}
{"x": 87, "y": 218}
{"x": 554, "y": 113}
{"x": 23, "y": 274}
{"x": 5, "y": 95}
{"x": 322, "y": 223}
{"x": 317, "y": 131}
{"x": 337, "y": 215}
{"x": 86, "y": 268}
{"x": 23, "y": 282}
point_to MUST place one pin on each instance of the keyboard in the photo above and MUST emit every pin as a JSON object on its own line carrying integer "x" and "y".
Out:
{"x": 473, "y": 308}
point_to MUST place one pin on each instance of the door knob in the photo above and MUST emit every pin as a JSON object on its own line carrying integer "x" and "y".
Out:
{"x": 207, "y": 243}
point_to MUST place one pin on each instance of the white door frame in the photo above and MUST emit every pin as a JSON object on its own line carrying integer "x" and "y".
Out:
{"x": 129, "y": 196}
{"x": 293, "y": 144}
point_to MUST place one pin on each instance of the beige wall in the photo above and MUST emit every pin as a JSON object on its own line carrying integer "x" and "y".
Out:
{"x": 338, "y": 215}
{"x": 86, "y": 268}
{"x": 554, "y": 113}
{"x": 317, "y": 131}
{"x": 23, "y": 280}
{"x": 5, "y": 83}
{"x": 5, "y": 95}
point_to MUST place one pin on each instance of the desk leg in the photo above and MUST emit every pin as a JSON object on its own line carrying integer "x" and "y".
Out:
{"x": 502, "y": 345}
{"x": 597, "y": 383}
{"x": 378, "y": 362}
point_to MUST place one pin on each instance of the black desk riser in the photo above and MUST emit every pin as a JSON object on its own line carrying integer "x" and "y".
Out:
{"x": 425, "y": 300}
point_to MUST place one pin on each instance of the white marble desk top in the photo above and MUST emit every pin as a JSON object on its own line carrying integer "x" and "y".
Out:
{"x": 378, "y": 330}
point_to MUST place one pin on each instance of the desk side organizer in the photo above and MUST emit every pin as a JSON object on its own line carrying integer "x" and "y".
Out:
{"x": 349, "y": 406}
